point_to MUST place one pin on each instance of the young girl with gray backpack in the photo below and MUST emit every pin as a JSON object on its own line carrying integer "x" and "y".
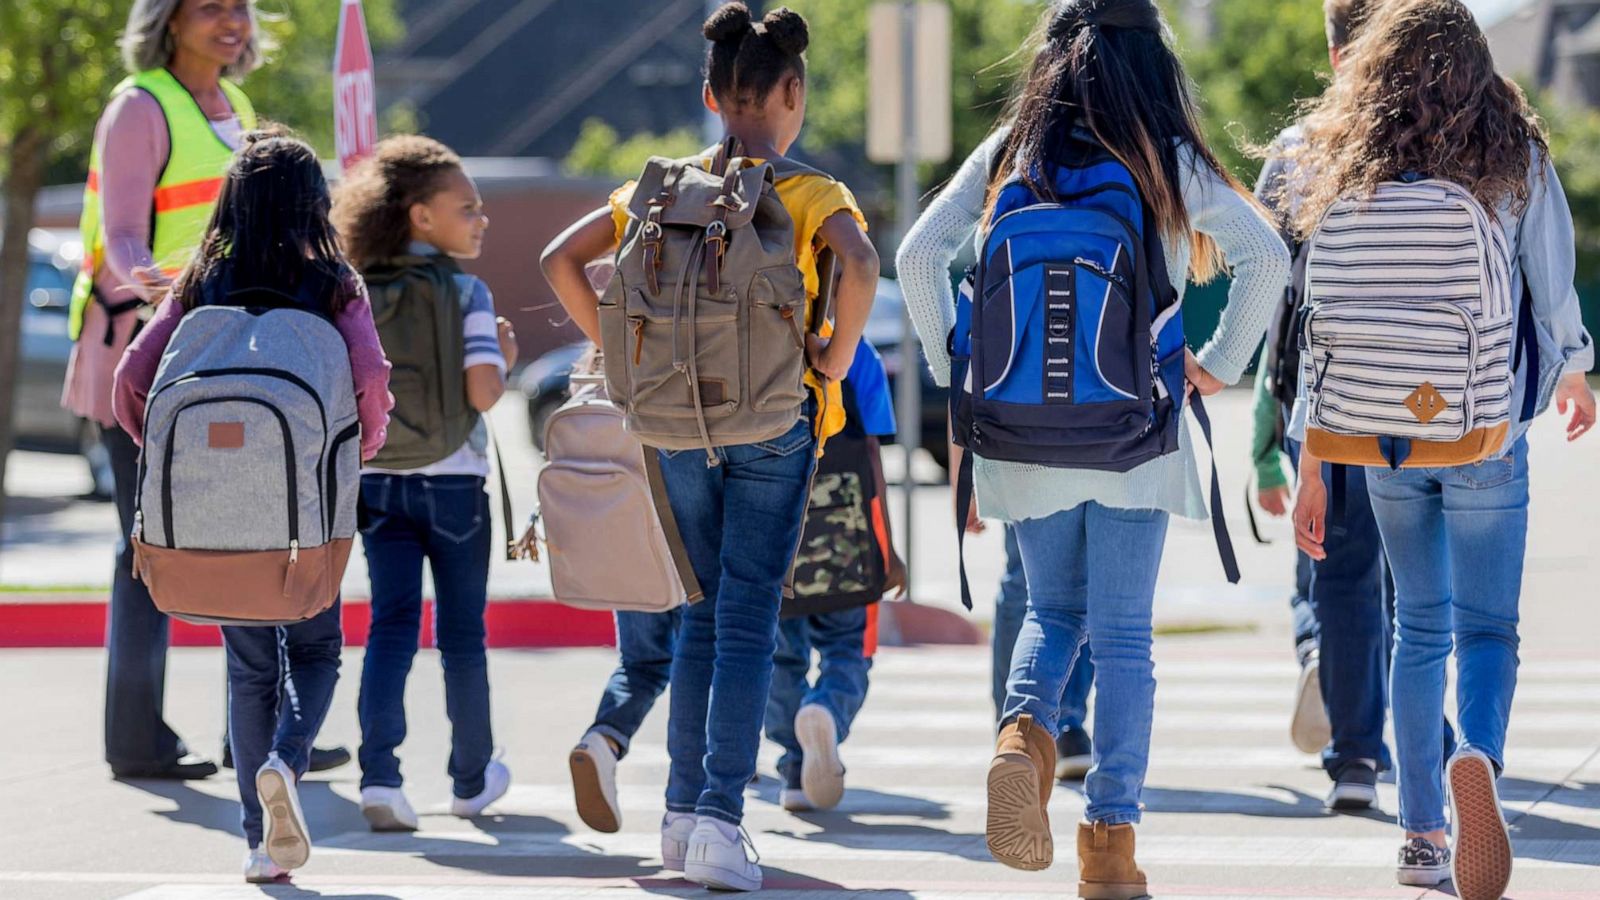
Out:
{"x": 709, "y": 354}
{"x": 1069, "y": 373}
{"x": 256, "y": 392}
{"x": 1440, "y": 320}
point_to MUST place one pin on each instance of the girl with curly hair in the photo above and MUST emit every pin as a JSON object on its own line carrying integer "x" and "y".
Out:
{"x": 1418, "y": 93}
{"x": 405, "y": 215}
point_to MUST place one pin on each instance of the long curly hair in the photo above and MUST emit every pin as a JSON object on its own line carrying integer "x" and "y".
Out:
{"x": 1108, "y": 66}
{"x": 372, "y": 205}
{"x": 1417, "y": 92}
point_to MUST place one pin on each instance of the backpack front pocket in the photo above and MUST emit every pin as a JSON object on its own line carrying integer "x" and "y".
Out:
{"x": 777, "y": 345}
{"x": 1399, "y": 370}
{"x": 223, "y": 455}
{"x": 670, "y": 356}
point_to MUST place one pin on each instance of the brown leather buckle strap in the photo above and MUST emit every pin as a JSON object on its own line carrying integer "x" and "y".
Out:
{"x": 717, "y": 231}
{"x": 653, "y": 238}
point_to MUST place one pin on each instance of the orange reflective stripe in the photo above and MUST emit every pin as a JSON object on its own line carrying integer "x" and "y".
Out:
{"x": 869, "y": 640}
{"x": 190, "y": 193}
{"x": 94, "y": 182}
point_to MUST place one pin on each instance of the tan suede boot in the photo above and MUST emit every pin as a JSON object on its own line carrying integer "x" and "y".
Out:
{"x": 1020, "y": 780}
{"x": 1106, "y": 870}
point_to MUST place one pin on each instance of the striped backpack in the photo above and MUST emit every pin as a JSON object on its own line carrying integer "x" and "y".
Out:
{"x": 1406, "y": 346}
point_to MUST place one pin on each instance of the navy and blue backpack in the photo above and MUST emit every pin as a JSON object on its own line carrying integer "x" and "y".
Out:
{"x": 1068, "y": 347}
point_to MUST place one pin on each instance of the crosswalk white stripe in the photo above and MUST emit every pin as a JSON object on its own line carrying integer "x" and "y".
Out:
{"x": 1258, "y": 852}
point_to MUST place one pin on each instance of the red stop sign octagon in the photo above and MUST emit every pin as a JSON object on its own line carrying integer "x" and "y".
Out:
{"x": 355, "y": 109}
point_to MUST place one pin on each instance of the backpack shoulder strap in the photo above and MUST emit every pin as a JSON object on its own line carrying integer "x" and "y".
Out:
{"x": 784, "y": 168}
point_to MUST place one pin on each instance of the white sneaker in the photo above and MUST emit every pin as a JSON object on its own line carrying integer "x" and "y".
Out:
{"x": 259, "y": 867}
{"x": 496, "y": 781}
{"x": 387, "y": 809}
{"x": 676, "y": 829}
{"x": 594, "y": 783}
{"x": 821, "y": 772}
{"x": 284, "y": 834}
{"x": 717, "y": 862}
{"x": 795, "y": 800}
{"x": 1309, "y": 729}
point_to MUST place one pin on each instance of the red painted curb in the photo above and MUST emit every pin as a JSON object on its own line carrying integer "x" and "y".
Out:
{"x": 512, "y": 624}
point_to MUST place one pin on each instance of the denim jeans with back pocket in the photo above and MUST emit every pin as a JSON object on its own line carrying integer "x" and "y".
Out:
{"x": 740, "y": 522}
{"x": 443, "y": 519}
{"x": 1456, "y": 538}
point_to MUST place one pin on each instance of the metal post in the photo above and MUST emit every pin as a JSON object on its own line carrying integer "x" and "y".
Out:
{"x": 910, "y": 380}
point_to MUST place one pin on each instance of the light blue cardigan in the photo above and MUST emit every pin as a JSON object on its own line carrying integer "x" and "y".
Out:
{"x": 1260, "y": 265}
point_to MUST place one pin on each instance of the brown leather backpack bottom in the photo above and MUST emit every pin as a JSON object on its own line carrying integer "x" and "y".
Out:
{"x": 1358, "y": 450}
{"x": 246, "y": 587}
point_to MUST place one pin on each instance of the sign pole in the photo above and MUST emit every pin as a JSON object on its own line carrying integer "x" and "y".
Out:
{"x": 910, "y": 379}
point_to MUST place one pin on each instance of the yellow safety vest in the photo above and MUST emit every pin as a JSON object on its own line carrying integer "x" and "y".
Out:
{"x": 185, "y": 195}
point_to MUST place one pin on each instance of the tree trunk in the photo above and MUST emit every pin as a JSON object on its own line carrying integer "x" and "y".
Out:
{"x": 25, "y": 170}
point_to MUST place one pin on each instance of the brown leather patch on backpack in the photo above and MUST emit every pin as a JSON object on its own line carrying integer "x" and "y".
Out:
{"x": 1426, "y": 402}
{"x": 225, "y": 436}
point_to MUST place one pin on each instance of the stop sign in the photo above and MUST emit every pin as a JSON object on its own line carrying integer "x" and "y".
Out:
{"x": 355, "y": 108}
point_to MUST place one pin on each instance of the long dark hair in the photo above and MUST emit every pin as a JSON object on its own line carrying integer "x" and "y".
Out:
{"x": 1105, "y": 65}
{"x": 1418, "y": 92}
{"x": 270, "y": 228}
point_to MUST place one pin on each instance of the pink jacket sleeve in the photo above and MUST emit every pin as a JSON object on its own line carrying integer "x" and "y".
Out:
{"x": 134, "y": 135}
{"x": 368, "y": 366}
{"x": 137, "y": 370}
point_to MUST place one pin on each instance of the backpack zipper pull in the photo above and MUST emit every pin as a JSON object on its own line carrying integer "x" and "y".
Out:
{"x": 294, "y": 552}
{"x": 799, "y": 338}
{"x": 638, "y": 341}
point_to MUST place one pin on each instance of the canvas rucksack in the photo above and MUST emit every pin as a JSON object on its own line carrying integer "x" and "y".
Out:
{"x": 703, "y": 325}
{"x": 608, "y": 529}
{"x": 251, "y": 466}
{"x": 1406, "y": 343}
{"x": 1068, "y": 347}
{"x": 416, "y": 305}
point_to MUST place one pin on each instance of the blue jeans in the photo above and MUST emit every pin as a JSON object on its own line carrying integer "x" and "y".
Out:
{"x": 839, "y": 638}
{"x": 280, "y": 685}
{"x": 1348, "y": 598}
{"x": 644, "y": 641}
{"x": 1113, "y": 556}
{"x": 1010, "y": 605}
{"x": 1456, "y": 539}
{"x": 740, "y": 522}
{"x": 445, "y": 520}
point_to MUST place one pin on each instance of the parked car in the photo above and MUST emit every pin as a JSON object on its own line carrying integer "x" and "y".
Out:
{"x": 544, "y": 381}
{"x": 41, "y": 423}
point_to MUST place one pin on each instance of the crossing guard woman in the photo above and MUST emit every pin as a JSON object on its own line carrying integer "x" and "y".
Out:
{"x": 159, "y": 154}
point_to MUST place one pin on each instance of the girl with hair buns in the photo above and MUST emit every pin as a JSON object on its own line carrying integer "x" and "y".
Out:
{"x": 740, "y": 519}
{"x": 1417, "y": 93}
{"x": 1103, "y": 73}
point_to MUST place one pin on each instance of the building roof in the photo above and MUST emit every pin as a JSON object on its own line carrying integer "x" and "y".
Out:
{"x": 519, "y": 77}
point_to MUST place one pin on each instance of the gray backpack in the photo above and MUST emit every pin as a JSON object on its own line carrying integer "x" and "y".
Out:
{"x": 251, "y": 466}
{"x": 703, "y": 326}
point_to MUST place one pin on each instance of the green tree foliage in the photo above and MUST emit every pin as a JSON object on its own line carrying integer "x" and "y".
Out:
{"x": 1258, "y": 59}
{"x": 1575, "y": 149}
{"x": 296, "y": 86}
{"x": 56, "y": 57}
{"x": 601, "y": 152}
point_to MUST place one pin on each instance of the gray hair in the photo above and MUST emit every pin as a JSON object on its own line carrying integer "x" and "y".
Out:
{"x": 147, "y": 41}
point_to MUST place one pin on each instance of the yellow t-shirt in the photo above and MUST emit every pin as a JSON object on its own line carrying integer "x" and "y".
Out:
{"x": 810, "y": 200}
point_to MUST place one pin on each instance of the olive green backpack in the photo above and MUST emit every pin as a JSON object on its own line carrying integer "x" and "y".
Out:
{"x": 416, "y": 305}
